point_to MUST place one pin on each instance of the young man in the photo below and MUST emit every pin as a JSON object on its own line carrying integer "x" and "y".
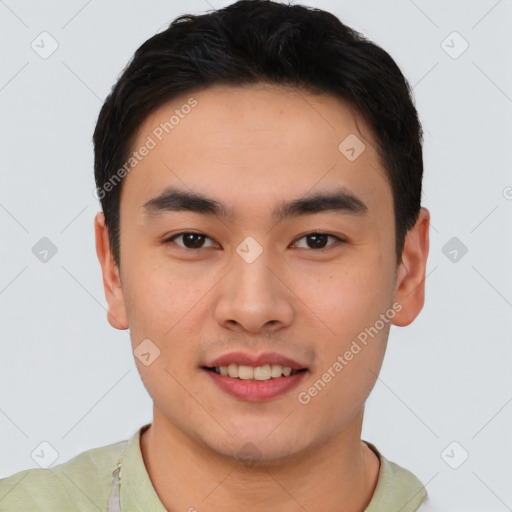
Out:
{"x": 259, "y": 170}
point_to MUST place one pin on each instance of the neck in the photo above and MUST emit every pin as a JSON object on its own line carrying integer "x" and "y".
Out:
{"x": 188, "y": 475}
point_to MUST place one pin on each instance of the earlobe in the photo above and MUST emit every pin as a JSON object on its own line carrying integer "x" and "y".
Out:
{"x": 116, "y": 315}
{"x": 410, "y": 283}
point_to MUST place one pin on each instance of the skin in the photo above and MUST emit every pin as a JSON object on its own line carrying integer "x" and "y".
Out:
{"x": 251, "y": 148}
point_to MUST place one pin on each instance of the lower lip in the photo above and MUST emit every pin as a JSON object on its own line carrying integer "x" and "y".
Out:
{"x": 254, "y": 390}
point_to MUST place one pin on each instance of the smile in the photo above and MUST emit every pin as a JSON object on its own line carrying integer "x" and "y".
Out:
{"x": 258, "y": 373}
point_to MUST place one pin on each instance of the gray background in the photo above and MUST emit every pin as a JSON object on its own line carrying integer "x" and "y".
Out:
{"x": 68, "y": 378}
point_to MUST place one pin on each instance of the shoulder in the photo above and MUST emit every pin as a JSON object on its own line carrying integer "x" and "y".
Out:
{"x": 397, "y": 488}
{"x": 82, "y": 483}
{"x": 429, "y": 505}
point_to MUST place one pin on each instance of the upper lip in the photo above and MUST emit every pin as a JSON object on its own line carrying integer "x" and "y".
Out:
{"x": 254, "y": 360}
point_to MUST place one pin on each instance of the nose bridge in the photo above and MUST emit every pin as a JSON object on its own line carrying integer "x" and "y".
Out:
{"x": 252, "y": 296}
{"x": 251, "y": 275}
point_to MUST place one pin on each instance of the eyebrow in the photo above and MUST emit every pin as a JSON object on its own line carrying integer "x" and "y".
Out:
{"x": 173, "y": 199}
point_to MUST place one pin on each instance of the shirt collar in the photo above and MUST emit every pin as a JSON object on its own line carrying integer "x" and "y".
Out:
{"x": 136, "y": 491}
{"x": 397, "y": 488}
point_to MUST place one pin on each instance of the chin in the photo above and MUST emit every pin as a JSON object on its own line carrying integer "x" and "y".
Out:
{"x": 262, "y": 447}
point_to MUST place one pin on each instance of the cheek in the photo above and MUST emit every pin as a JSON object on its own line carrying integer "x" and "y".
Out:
{"x": 348, "y": 303}
{"x": 349, "y": 297}
{"x": 161, "y": 295}
{"x": 346, "y": 373}
{"x": 164, "y": 305}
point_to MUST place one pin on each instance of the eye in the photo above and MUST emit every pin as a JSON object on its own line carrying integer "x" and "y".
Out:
{"x": 190, "y": 240}
{"x": 196, "y": 241}
{"x": 319, "y": 240}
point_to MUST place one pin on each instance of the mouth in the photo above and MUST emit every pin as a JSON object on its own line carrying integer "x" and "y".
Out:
{"x": 255, "y": 378}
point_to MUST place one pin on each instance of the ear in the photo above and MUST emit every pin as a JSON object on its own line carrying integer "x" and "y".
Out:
{"x": 410, "y": 283}
{"x": 116, "y": 315}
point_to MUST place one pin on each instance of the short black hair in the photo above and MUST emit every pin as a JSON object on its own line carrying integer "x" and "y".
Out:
{"x": 261, "y": 41}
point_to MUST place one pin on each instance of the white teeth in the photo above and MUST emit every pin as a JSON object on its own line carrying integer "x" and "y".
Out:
{"x": 276, "y": 370}
{"x": 245, "y": 372}
{"x": 265, "y": 372}
{"x": 233, "y": 371}
{"x": 262, "y": 372}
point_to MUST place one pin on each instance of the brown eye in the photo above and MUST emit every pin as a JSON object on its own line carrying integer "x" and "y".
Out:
{"x": 190, "y": 240}
{"x": 319, "y": 240}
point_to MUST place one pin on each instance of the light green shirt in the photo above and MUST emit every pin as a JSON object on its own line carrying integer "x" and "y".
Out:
{"x": 84, "y": 483}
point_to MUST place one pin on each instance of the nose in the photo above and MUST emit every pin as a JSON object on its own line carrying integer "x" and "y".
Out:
{"x": 254, "y": 297}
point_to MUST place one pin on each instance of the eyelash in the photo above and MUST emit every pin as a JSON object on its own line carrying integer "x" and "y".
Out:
{"x": 337, "y": 240}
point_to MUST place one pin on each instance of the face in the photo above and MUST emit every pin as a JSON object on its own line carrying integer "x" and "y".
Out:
{"x": 249, "y": 269}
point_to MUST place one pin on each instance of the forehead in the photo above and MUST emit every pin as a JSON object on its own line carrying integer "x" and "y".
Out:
{"x": 258, "y": 144}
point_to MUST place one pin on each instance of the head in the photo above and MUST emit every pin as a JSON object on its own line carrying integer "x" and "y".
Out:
{"x": 259, "y": 170}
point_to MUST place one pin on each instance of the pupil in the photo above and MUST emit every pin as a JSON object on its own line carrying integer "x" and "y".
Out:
{"x": 316, "y": 238}
{"x": 189, "y": 237}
